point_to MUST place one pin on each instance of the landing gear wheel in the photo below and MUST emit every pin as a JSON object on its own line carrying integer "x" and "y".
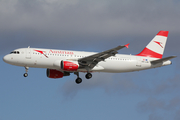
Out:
{"x": 88, "y": 75}
{"x": 25, "y": 74}
{"x": 78, "y": 80}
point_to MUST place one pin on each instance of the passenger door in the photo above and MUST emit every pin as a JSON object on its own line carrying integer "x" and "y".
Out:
{"x": 28, "y": 53}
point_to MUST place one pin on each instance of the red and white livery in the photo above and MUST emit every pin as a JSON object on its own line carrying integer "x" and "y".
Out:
{"x": 60, "y": 63}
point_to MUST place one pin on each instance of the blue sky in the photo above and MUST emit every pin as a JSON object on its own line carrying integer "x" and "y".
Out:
{"x": 89, "y": 26}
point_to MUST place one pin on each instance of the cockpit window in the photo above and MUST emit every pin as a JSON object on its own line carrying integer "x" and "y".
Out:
{"x": 14, "y": 52}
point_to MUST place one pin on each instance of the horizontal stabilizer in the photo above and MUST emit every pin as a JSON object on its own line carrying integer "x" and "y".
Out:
{"x": 162, "y": 60}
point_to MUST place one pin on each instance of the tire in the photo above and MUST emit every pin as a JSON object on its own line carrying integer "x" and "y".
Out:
{"x": 78, "y": 80}
{"x": 88, "y": 75}
{"x": 25, "y": 74}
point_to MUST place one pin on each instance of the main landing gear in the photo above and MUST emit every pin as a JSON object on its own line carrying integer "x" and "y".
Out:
{"x": 26, "y": 74}
{"x": 79, "y": 80}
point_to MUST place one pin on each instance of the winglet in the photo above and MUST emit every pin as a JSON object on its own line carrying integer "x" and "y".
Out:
{"x": 127, "y": 45}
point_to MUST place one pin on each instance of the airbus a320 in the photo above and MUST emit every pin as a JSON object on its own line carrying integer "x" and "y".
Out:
{"x": 60, "y": 63}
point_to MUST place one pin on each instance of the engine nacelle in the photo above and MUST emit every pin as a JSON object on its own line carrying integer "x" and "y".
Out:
{"x": 51, "y": 73}
{"x": 69, "y": 65}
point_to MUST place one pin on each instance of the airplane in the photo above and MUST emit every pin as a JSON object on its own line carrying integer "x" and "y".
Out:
{"x": 60, "y": 63}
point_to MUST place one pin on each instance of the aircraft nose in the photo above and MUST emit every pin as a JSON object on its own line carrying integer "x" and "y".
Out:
{"x": 6, "y": 59}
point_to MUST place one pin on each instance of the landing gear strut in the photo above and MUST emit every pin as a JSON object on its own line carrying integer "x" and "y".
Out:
{"x": 78, "y": 80}
{"x": 26, "y": 74}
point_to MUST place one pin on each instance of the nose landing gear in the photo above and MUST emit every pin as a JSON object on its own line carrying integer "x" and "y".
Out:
{"x": 26, "y": 74}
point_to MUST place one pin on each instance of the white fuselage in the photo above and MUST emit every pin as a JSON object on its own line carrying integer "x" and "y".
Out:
{"x": 50, "y": 58}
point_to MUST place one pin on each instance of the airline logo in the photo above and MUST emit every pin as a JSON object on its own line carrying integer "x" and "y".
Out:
{"x": 42, "y": 52}
{"x": 54, "y": 52}
{"x": 61, "y": 52}
{"x": 159, "y": 43}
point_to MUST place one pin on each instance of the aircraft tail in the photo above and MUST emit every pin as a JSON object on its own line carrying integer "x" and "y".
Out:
{"x": 156, "y": 47}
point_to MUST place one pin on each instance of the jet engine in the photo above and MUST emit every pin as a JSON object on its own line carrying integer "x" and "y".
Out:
{"x": 51, "y": 73}
{"x": 69, "y": 65}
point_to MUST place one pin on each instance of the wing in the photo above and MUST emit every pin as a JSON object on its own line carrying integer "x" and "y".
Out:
{"x": 162, "y": 60}
{"x": 90, "y": 61}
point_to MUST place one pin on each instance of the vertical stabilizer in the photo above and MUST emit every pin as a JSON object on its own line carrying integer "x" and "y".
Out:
{"x": 156, "y": 47}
